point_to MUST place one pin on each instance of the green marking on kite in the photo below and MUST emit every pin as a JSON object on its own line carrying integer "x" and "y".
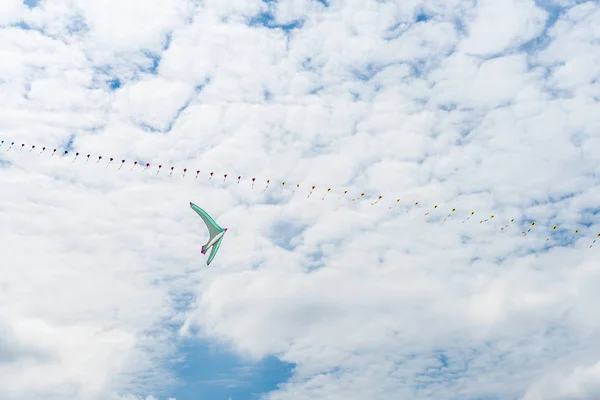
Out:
{"x": 215, "y": 231}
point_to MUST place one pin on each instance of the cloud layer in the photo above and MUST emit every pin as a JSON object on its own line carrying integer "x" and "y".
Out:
{"x": 489, "y": 106}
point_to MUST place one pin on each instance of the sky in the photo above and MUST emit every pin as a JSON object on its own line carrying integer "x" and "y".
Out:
{"x": 488, "y": 106}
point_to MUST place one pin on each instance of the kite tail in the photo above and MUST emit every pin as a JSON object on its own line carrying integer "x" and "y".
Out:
{"x": 450, "y": 214}
{"x": 528, "y": 230}
{"x": 552, "y": 234}
{"x": 598, "y": 237}
{"x": 470, "y": 215}
{"x": 416, "y": 204}
{"x": 376, "y": 201}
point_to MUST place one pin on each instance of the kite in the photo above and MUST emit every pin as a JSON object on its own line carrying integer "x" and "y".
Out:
{"x": 416, "y": 204}
{"x": 359, "y": 197}
{"x": 552, "y": 234}
{"x": 472, "y": 213}
{"x": 597, "y": 237}
{"x": 506, "y": 226}
{"x": 434, "y": 208}
{"x": 377, "y": 201}
{"x": 486, "y": 220}
{"x": 529, "y": 230}
{"x": 449, "y": 215}
{"x": 215, "y": 231}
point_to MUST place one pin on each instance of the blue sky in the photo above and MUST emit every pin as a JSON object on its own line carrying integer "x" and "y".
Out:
{"x": 213, "y": 372}
{"x": 487, "y": 106}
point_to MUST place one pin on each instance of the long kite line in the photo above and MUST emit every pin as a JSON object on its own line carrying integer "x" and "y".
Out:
{"x": 60, "y": 153}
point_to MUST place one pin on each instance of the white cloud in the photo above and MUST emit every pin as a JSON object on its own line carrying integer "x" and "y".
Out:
{"x": 467, "y": 81}
{"x": 573, "y": 51}
{"x": 497, "y": 26}
{"x": 581, "y": 383}
{"x": 365, "y": 300}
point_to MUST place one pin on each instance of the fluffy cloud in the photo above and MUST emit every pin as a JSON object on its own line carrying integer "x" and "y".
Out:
{"x": 490, "y": 107}
{"x": 497, "y": 26}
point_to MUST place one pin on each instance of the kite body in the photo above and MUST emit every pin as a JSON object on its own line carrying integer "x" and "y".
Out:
{"x": 215, "y": 231}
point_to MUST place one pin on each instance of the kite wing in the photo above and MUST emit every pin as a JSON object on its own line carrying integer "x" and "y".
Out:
{"x": 214, "y": 250}
{"x": 214, "y": 230}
